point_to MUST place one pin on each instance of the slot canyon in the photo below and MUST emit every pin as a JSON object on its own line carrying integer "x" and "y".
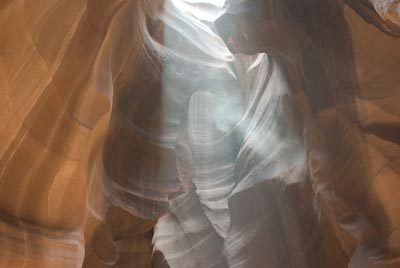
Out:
{"x": 199, "y": 133}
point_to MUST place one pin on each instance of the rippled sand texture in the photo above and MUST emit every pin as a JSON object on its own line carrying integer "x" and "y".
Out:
{"x": 205, "y": 134}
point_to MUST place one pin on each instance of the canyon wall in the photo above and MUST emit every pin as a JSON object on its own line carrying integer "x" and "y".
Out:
{"x": 135, "y": 133}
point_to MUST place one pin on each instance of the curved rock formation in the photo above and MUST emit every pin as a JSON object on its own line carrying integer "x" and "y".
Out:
{"x": 199, "y": 133}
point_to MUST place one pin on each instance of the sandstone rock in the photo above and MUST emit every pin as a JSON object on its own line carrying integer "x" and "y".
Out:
{"x": 184, "y": 133}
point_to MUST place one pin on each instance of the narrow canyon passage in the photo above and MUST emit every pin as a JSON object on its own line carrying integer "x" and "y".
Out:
{"x": 199, "y": 133}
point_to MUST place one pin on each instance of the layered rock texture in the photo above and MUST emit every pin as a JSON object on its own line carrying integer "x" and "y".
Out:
{"x": 199, "y": 133}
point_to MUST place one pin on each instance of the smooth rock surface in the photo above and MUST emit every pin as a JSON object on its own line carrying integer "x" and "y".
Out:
{"x": 184, "y": 133}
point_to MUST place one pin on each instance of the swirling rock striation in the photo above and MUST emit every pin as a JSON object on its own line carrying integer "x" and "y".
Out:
{"x": 184, "y": 133}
